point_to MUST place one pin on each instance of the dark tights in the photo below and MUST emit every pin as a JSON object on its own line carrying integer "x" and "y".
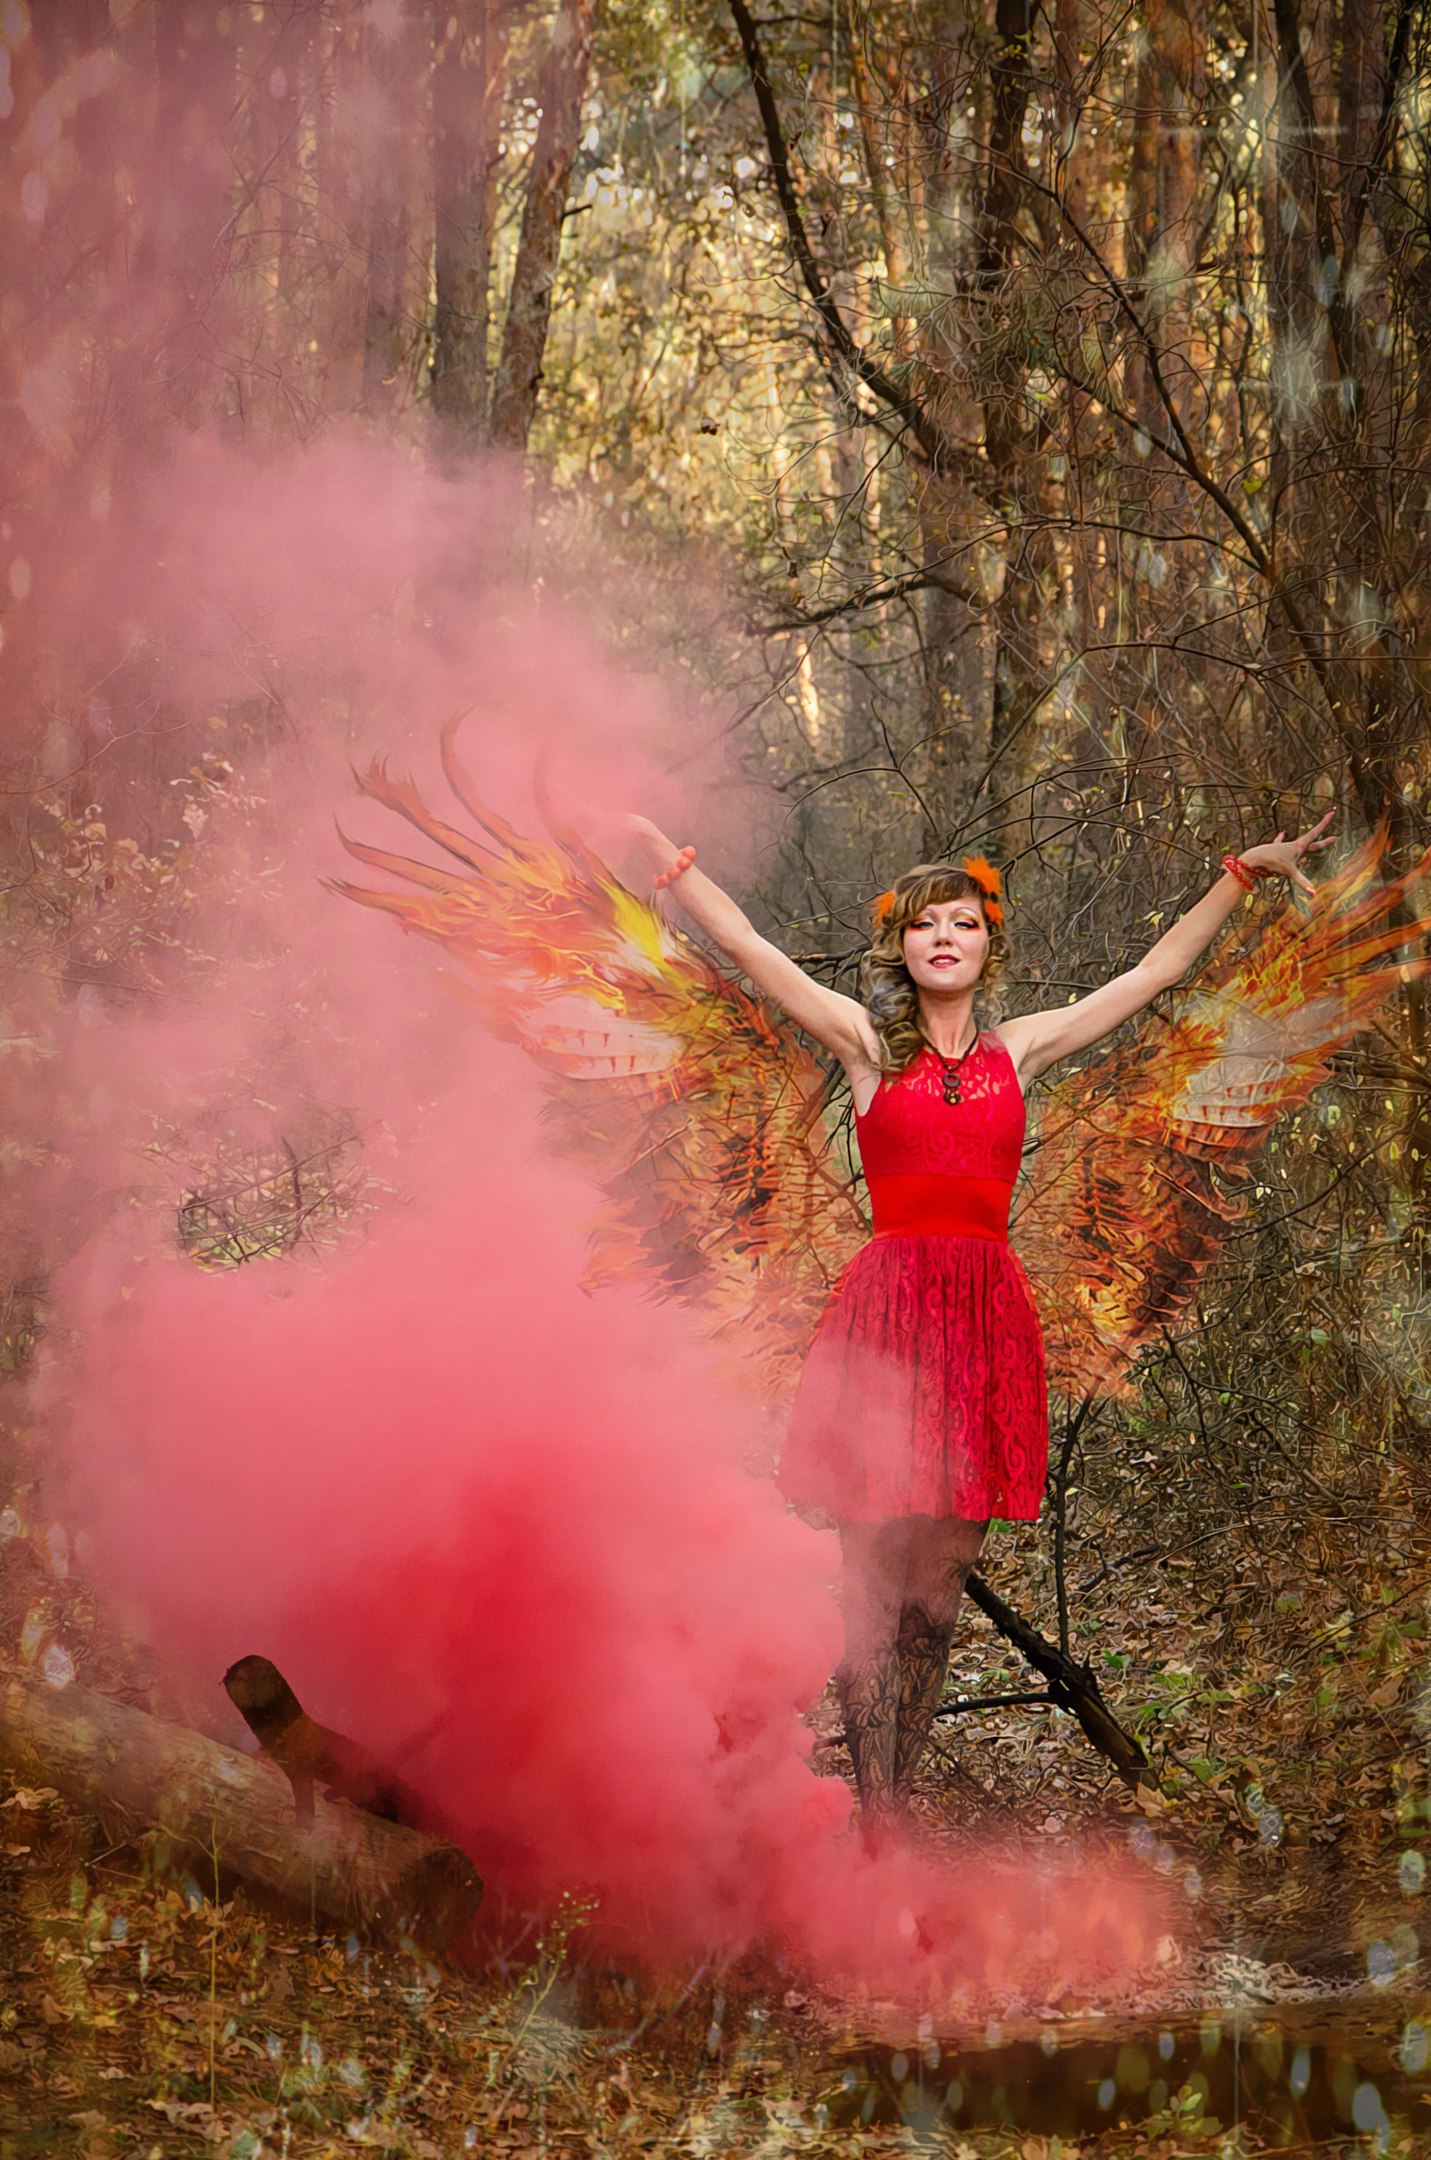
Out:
{"x": 901, "y": 1586}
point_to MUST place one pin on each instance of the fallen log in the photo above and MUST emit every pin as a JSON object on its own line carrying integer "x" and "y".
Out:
{"x": 1070, "y": 1685}
{"x": 139, "y": 1773}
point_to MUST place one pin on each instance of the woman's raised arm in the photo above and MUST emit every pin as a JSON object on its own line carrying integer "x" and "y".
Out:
{"x": 1039, "y": 1040}
{"x": 840, "y": 1023}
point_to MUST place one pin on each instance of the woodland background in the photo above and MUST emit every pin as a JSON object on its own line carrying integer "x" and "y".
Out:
{"x": 1018, "y": 417}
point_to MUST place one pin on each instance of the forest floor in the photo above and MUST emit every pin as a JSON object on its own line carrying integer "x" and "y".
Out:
{"x": 147, "y": 2011}
{"x": 141, "y": 2017}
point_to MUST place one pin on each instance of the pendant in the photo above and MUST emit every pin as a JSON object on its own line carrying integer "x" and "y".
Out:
{"x": 952, "y": 1073}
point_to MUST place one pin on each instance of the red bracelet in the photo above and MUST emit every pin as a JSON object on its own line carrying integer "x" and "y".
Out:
{"x": 1235, "y": 867}
{"x": 678, "y": 869}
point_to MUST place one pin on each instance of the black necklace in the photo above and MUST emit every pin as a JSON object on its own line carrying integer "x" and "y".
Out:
{"x": 953, "y": 1070}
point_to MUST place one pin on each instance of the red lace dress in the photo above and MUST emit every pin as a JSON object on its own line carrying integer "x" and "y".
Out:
{"x": 923, "y": 1392}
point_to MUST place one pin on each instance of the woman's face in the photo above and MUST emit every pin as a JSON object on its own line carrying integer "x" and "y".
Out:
{"x": 945, "y": 948}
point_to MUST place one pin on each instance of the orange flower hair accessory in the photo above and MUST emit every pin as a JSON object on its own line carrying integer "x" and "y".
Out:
{"x": 978, "y": 869}
{"x": 990, "y": 885}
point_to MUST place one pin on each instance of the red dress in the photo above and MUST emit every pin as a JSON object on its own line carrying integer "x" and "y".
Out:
{"x": 923, "y": 1391}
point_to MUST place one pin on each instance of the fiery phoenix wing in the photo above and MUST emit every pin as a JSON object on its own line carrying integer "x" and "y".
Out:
{"x": 694, "y": 1112}
{"x": 1126, "y": 1205}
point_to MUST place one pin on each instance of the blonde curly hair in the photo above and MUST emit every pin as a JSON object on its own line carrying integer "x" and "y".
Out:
{"x": 886, "y": 985}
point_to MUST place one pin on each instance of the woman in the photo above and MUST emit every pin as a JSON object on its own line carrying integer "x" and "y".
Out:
{"x": 922, "y": 1410}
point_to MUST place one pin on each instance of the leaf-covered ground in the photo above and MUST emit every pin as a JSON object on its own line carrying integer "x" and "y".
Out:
{"x": 141, "y": 2016}
{"x": 147, "y": 2009}
{"x": 1284, "y": 1726}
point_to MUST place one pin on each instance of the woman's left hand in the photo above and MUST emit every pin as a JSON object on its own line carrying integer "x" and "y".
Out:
{"x": 1284, "y": 856}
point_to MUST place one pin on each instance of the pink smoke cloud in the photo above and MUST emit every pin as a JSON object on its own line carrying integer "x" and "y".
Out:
{"x": 448, "y": 1492}
{"x": 451, "y": 1494}
{"x": 455, "y": 1497}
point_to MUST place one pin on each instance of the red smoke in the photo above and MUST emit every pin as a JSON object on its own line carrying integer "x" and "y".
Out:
{"x": 443, "y": 1487}
{"x": 456, "y": 1499}
{"x": 451, "y": 1494}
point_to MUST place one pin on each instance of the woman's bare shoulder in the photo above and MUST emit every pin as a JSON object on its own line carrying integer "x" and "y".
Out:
{"x": 1015, "y": 1040}
{"x": 1016, "y": 1036}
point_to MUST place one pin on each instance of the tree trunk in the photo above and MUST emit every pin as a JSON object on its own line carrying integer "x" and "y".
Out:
{"x": 65, "y": 29}
{"x": 955, "y": 665}
{"x": 883, "y": 126}
{"x": 1016, "y": 479}
{"x": 181, "y": 259}
{"x": 393, "y": 210}
{"x": 139, "y": 1773}
{"x": 561, "y": 89}
{"x": 340, "y": 230}
{"x": 471, "y": 40}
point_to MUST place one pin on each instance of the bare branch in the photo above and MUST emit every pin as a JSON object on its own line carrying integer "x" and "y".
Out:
{"x": 930, "y": 438}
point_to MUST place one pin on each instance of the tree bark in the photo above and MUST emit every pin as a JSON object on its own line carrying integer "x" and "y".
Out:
{"x": 956, "y": 665}
{"x": 1016, "y": 479}
{"x": 471, "y": 42}
{"x": 1169, "y": 94}
{"x": 1011, "y": 83}
{"x": 65, "y": 29}
{"x": 561, "y": 88}
{"x": 140, "y": 1773}
{"x": 883, "y": 124}
{"x": 393, "y": 210}
{"x": 181, "y": 258}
